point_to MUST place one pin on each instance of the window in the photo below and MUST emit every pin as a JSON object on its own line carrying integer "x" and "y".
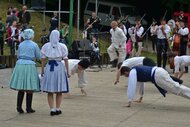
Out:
{"x": 91, "y": 7}
{"x": 104, "y": 9}
{"x": 115, "y": 11}
{"x": 132, "y": 11}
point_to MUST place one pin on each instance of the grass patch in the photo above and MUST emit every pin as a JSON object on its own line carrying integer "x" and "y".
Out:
{"x": 37, "y": 22}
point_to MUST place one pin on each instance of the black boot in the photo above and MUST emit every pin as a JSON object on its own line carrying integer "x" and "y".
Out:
{"x": 20, "y": 97}
{"x": 29, "y": 103}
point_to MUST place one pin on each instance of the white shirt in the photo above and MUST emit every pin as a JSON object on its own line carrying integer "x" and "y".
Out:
{"x": 139, "y": 31}
{"x": 124, "y": 29}
{"x": 153, "y": 30}
{"x": 118, "y": 38}
{"x": 183, "y": 31}
{"x": 73, "y": 68}
{"x": 180, "y": 62}
{"x": 131, "y": 34}
{"x": 132, "y": 83}
{"x": 73, "y": 65}
{"x": 160, "y": 35}
{"x": 134, "y": 61}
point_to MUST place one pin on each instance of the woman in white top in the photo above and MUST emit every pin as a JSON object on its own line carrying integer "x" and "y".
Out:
{"x": 55, "y": 79}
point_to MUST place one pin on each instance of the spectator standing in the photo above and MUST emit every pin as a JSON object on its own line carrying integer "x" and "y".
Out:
{"x": 2, "y": 31}
{"x": 24, "y": 17}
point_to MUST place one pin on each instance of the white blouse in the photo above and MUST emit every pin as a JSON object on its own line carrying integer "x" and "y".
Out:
{"x": 54, "y": 53}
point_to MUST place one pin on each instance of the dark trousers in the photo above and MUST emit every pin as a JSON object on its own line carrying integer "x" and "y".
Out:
{"x": 154, "y": 42}
{"x": 12, "y": 47}
{"x": 1, "y": 45}
{"x": 148, "y": 62}
{"x": 183, "y": 50}
{"x": 96, "y": 56}
{"x": 162, "y": 47}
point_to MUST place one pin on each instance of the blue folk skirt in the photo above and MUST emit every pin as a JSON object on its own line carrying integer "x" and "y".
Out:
{"x": 55, "y": 78}
{"x": 25, "y": 77}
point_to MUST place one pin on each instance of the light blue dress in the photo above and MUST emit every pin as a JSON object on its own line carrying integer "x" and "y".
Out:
{"x": 55, "y": 74}
{"x": 25, "y": 75}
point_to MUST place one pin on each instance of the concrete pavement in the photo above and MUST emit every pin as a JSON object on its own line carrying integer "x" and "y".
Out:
{"x": 102, "y": 107}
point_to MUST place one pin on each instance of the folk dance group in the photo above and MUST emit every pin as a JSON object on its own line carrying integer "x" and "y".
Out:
{"x": 55, "y": 73}
{"x": 140, "y": 69}
{"x": 59, "y": 68}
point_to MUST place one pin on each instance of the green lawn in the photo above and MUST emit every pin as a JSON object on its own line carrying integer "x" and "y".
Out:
{"x": 37, "y": 22}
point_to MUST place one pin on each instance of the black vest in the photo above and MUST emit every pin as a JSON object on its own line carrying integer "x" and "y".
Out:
{"x": 138, "y": 39}
{"x": 144, "y": 75}
{"x": 184, "y": 39}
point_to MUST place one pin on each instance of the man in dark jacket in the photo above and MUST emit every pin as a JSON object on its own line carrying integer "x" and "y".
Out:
{"x": 24, "y": 17}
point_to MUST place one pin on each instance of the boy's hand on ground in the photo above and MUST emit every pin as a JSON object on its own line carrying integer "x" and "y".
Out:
{"x": 115, "y": 83}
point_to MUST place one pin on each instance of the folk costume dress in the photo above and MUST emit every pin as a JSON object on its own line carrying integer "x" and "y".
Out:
{"x": 55, "y": 77}
{"x": 25, "y": 75}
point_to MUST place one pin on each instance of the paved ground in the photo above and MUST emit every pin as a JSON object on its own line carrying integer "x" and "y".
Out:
{"x": 103, "y": 107}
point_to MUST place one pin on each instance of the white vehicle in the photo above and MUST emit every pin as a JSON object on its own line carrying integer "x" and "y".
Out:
{"x": 106, "y": 11}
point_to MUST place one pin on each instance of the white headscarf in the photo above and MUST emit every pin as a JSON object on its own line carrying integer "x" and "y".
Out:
{"x": 54, "y": 38}
{"x": 28, "y": 34}
{"x": 54, "y": 49}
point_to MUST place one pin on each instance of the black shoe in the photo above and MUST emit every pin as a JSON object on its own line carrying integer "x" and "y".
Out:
{"x": 20, "y": 110}
{"x": 30, "y": 111}
{"x": 58, "y": 112}
{"x": 52, "y": 113}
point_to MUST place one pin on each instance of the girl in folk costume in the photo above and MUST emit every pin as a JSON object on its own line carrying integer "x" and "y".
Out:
{"x": 55, "y": 77}
{"x": 25, "y": 76}
{"x": 128, "y": 48}
{"x": 79, "y": 66}
{"x": 128, "y": 43}
{"x": 131, "y": 41}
